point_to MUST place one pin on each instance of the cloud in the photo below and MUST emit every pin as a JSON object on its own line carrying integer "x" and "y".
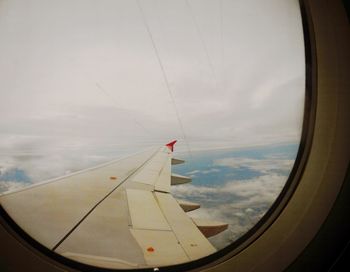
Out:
{"x": 212, "y": 170}
{"x": 261, "y": 165}
{"x": 239, "y": 203}
{"x": 193, "y": 172}
{"x": 92, "y": 78}
{"x": 42, "y": 158}
{"x": 11, "y": 185}
{"x": 262, "y": 189}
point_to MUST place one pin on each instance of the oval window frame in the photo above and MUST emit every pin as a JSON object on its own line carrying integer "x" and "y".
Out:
{"x": 249, "y": 238}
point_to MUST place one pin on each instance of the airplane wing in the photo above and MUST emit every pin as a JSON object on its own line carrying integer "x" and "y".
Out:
{"x": 117, "y": 215}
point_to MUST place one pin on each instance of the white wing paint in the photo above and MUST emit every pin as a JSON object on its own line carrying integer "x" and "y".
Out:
{"x": 118, "y": 215}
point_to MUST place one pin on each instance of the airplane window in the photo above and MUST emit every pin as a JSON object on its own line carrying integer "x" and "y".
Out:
{"x": 93, "y": 93}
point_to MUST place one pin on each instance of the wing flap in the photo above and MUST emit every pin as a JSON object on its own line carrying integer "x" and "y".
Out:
{"x": 160, "y": 247}
{"x": 144, "y": 211}
{"x": 191, "y": 239}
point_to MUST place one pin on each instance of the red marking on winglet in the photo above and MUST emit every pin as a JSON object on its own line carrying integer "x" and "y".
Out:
{"x": 171, "y": 145}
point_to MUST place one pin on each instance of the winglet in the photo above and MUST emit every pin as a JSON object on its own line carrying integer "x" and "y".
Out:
{"x": 171, "y": 145}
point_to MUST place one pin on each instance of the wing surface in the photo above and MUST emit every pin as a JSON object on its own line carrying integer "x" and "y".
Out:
{"x": 118, "y": 215}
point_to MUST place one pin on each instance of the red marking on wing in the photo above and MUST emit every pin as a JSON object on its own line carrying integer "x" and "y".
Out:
{"x": 150, "y": 249}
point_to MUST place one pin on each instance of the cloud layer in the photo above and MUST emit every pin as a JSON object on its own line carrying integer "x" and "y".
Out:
{"x": 87, "y": 70}
{"x": 239, "y": 202}
{"x": 263, "y": 166}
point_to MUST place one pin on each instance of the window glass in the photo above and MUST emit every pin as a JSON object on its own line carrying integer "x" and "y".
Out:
{"x": 84, "y": 82}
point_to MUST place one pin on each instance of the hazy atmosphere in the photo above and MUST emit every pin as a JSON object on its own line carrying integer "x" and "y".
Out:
{"x": 84, "y": 81}
{"x": 85, "y": 72}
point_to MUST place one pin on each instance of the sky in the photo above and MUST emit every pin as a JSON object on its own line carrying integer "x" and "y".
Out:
{"x": 82, "y": 73}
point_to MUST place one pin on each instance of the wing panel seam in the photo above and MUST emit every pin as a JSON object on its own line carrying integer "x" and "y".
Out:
{"x": 99, "y": 202}
{"x": 155, "y": 196}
